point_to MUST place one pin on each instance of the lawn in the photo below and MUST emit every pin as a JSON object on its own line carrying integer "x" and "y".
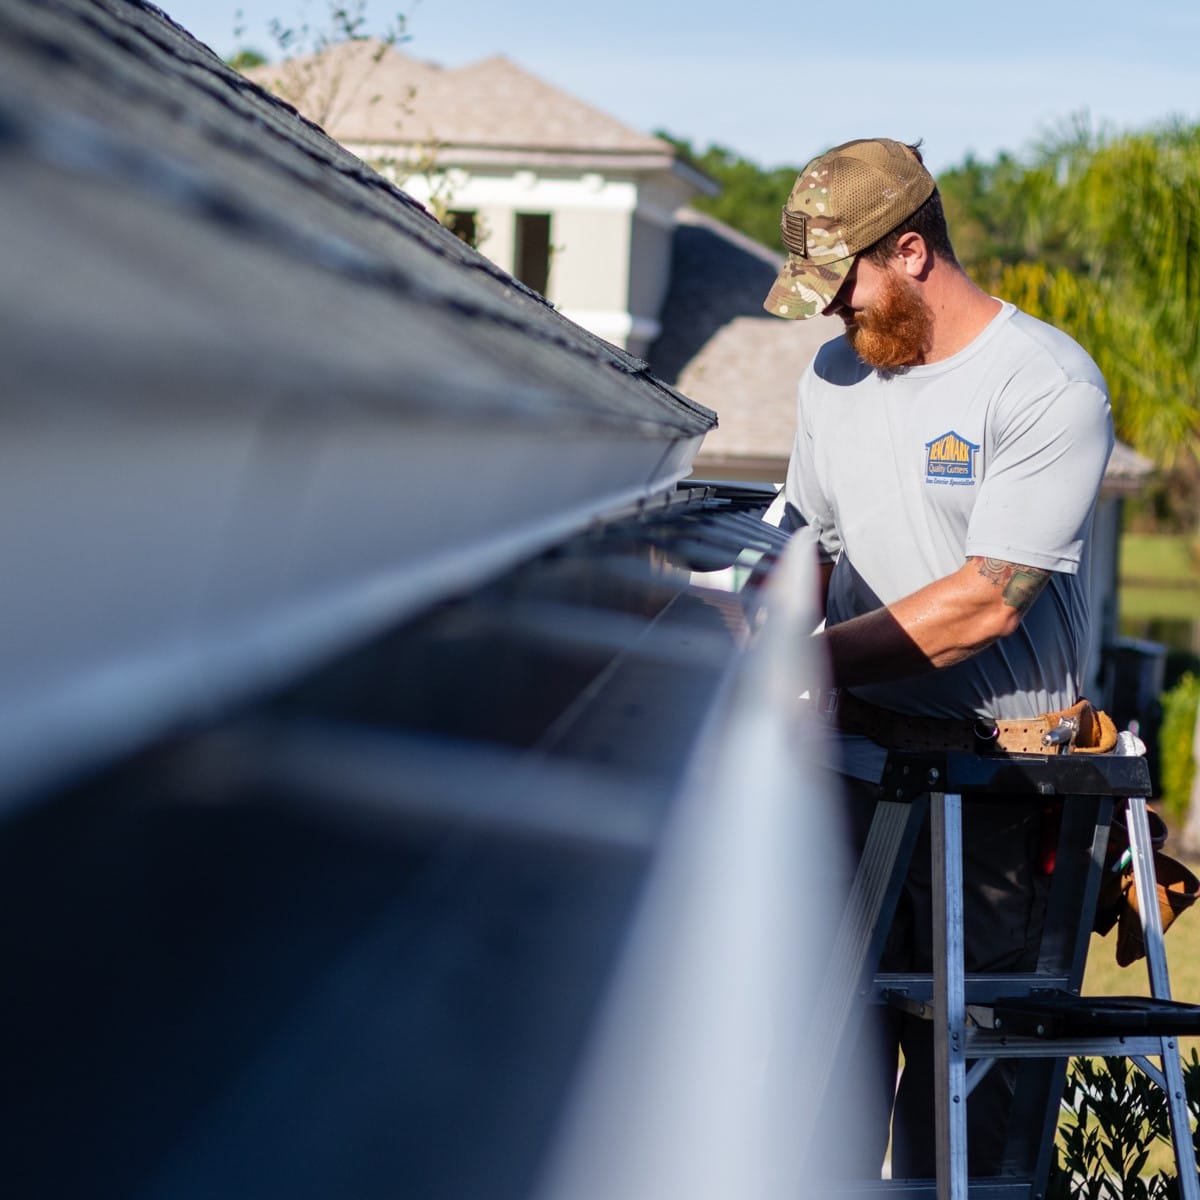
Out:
{"x": 1160, "y": 577}
{"x": 1157, "y": 603}
{"x": 1159, "y": 560}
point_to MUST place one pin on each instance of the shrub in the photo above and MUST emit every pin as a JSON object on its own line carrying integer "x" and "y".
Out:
{"x": 1175, "y": 740}
{"x": 1112, "y": 1116}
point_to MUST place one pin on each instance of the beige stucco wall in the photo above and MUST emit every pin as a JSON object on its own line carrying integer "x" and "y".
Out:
{"x": 650, "y": 267}
{"x": 591, "y": 259}
{"x": 610, "y": 236}
{"x": 497, "y": 233}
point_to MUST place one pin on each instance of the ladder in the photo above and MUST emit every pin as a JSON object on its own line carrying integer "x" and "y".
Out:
{"x": 1038, "y": 1017}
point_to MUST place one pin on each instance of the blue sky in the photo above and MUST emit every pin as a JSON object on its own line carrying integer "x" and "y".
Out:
{"x": 779, "y": 83}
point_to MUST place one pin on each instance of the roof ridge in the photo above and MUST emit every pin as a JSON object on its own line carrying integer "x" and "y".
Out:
{"x": 492, "y": 101}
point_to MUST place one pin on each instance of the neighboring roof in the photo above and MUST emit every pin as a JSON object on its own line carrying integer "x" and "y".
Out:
{"x": 750, "y": 369}
{"x": 1127, "y": 470}
{"x": 370, "y": 92}
{"x": 277, "y": 401}
{"x": 723, "y": 349}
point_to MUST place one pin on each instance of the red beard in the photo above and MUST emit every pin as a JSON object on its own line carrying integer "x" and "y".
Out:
{"x": 896, "y": 331}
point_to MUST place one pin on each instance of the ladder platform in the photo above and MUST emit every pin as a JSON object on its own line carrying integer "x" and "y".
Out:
{"x": 1054, "y": 1015}
{"x": 998, "y": 777}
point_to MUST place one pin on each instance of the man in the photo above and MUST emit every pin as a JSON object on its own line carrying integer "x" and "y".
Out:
{"x": 948, "y": 454}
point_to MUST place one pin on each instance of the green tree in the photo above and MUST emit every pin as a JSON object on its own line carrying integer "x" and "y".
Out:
{"x": 1004, "y": 213}
{"x": 246, "y": 59}
{"x": 750, "y": 197}
{"x": 1100, "y": 235}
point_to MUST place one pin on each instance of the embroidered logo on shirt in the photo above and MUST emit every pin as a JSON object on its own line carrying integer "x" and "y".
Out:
{"x": 950, "y": 459}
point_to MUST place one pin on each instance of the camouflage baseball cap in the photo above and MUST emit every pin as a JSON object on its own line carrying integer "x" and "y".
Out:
{"x": 843, "y": 202}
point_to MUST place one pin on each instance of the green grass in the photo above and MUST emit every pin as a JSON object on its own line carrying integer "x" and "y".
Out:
{"x": 1164, "y": 604}
{"x": 1159, "y": 580}
{"x": 1155, "y": 560}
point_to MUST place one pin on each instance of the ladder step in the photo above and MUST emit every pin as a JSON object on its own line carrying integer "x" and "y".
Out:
{"x": 1063, "y": 1015}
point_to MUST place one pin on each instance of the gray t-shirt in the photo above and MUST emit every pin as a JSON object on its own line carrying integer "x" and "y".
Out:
{"x": 996, "y": 452}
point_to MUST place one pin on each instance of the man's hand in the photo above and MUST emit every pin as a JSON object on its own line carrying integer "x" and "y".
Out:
{"x": 942, "y": 624}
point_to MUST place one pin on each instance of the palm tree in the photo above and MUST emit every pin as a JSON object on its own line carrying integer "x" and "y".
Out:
{"x": 1125, "y": 277}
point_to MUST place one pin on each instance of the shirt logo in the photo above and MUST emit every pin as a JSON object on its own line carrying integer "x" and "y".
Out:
{"x": 950, "y": 459}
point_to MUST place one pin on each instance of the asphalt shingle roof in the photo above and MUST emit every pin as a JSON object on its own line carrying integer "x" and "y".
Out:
{"x": 258, "y": 397}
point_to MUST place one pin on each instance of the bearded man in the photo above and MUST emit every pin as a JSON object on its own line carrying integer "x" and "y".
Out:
{"x": 948, "y": 454}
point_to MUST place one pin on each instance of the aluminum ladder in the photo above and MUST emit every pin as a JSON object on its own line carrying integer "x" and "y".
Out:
{"x": 1037, "y": 1017}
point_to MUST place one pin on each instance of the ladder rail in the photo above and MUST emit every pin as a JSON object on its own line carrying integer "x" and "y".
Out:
{"x": 1142, "y": 847}
{"x": 950, "y": 1008}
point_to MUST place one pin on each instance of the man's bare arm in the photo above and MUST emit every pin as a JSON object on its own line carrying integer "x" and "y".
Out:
{"x": 942, "y": 624}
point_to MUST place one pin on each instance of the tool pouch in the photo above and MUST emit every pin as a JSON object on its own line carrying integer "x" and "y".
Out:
{"x": 1176, "y": 886}
{"x": 1096, "y": 732}
{"x": 1118, "y": 874}
{"x": 1177, "y": 889}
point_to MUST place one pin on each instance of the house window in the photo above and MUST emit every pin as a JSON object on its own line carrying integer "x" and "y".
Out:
{"x": 531, "y": 252}
{"x": 463, "y": 225}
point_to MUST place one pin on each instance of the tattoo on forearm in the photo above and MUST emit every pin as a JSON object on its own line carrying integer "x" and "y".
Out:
{"x": 1021, "y": 585}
